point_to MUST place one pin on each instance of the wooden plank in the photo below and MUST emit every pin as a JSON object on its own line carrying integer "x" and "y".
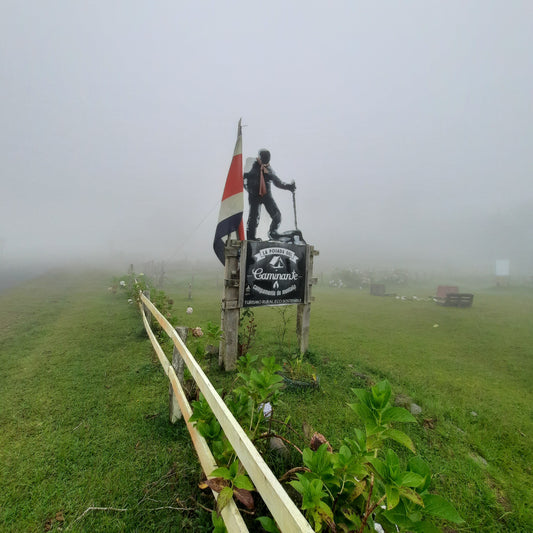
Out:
{"x": 283, "y": 509}
{"x": 230, "y": 307}
{"x": 230, "y": 514}
{"x": 165, "y": 363}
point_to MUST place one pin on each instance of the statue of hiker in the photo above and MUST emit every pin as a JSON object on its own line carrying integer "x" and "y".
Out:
{"x": 258, "y": 184}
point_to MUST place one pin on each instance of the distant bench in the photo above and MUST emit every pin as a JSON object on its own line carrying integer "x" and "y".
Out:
{"x": 456, "y": 299}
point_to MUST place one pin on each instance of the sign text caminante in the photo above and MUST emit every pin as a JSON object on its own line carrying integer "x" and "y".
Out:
{"x": 274, "y": 275}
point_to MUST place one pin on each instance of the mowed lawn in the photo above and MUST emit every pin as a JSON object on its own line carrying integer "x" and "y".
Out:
{"x": 84, "y": 403}
{"x": 84, "y": 416}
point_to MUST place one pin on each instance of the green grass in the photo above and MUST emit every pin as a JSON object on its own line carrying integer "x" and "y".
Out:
{"x": 83, "y": 412}
{"x": 84, "y": 403}
{"x": 471, "y": 375}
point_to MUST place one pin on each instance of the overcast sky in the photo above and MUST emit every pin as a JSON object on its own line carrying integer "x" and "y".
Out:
{"x": 407, "y": 126}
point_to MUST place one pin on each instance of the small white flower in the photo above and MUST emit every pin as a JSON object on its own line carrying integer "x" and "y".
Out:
{"x": 189, "y": 310}
{"x": 267, "y": 409}
{"x": 122, "y": 283}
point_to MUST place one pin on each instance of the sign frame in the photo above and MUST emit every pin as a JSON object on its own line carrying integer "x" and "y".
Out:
{"x": 294, "y": 256}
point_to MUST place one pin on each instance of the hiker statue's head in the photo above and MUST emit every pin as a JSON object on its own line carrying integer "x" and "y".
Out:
{"x": 264, "y": 156}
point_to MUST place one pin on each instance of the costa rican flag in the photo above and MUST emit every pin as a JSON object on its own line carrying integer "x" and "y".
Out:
{"x": 230, "y": 224}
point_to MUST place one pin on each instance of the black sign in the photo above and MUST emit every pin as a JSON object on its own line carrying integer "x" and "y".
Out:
{"x": 273, "y": 273}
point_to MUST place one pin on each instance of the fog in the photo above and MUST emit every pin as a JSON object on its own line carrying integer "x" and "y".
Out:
{"x": 407, "y": 127}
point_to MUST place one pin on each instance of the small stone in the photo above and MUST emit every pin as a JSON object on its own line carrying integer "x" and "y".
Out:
{"x": 402, "y": 400}
{"x": 415, "y": 409}
{"x": 480, "y": 460}
{"x": 278, "y": 446}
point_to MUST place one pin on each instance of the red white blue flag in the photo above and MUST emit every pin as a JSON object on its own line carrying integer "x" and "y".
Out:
{"x": 230, "y": 224}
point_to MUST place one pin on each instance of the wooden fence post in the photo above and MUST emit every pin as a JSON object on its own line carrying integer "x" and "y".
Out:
{"x": 146, "y": 310}
{"x": 303, "y": 315}
{"x": 229, "y": 320}
{"x": 174, "y": 410}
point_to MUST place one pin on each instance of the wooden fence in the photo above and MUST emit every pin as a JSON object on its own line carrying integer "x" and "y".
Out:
{"x": 283, "y": 509}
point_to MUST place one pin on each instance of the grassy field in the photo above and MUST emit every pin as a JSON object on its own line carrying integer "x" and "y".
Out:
{"x": 83, "y": 412}
{"x": 83, "y": 403}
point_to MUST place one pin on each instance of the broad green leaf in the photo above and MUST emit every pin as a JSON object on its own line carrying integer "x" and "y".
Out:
{"x": 365, "y": 414}
{"x": 393, "y": 496}
{"x": 373, "y": 441}
{"x": 312, "y": 493}
{"x": 419, "y": 466}
{"x": 326, "y": 514}
{"x": 411, "y": 479}
{"x": 243, "y": 482}
{"x": 381, "y": 394}
{"x": 218, "y": 523}
{"x": 379, "y": 467}
{"x": 400, "y": 437}
{"x": 393, "y": 464}
{"x": 354, "y": 520}
{"x": 364, "y": 397}
{"x": 233, "y": 468}
{"x": 319, "y": 462}
{"x": 358, "y": 489}
{"x": 268, "y": 524}
{"x": 425, "y": 527}
{"x": 222, "y": 472}
{"x": 415, "y": 516}
{"x": 398, "y": 516}
{"x": 358, "y": 444}
{"x": 224, "y": 497}
{"x": 270, "y": 364}
{"x": 411, "y": 495}
{"x": 345, "y": 453}
{"x": 397, "y": 414}
{"x": 437, "y": 506}
{"x": 297, "y": 485}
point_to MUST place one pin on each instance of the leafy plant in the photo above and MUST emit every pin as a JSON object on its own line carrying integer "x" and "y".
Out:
{"x": 297, "y": 368}
{"x": 231, "y": 483}
{"x": 213, "y": 333}
{"x": 364, "y": 483}
{"x": 259, "y": 387}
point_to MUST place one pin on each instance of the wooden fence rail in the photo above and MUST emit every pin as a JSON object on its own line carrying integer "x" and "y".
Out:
{"x": 283, "y": 509}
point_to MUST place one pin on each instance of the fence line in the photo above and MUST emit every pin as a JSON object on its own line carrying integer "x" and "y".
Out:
{"x": 283, "y": 509}
{"x": 230, "y": 514}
